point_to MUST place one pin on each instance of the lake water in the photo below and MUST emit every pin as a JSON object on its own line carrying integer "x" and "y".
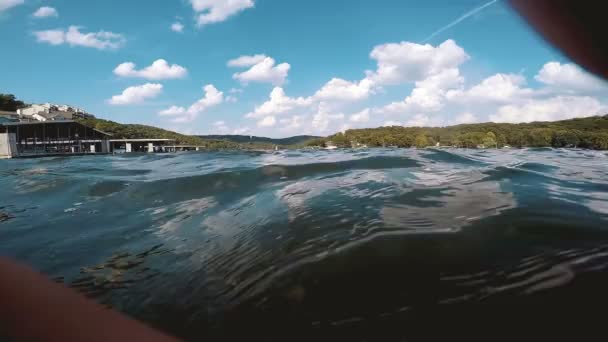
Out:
{"x": 358, "y": 245}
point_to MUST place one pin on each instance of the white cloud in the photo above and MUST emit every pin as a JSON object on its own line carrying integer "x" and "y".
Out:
{"x": 215, "y": 11}
{"x": 177, "y": 27}
{"x": 53, "y": 37}
{"x": 569, "y": 77}
{"x": 338, "y": 89}
{"x": 212, "y": 98}
{"x": 220, "y": 127}
{"x": 551, "y": 109}
{"x": 45, "y": 12}
{"x": 101, "y": 40}
{"x": 137, "y": 94}
{"x": 172, "y": 111}
{"x": 241, "y": 131}
{"x": 246, "y": 61}
{"x": 232, "y": 99}
{"x": 323, "y": 118}
{"x": 496, "y": 88}
{"x": 236, "y": 91}
{"x": 429, "y": 94}
{"x": 263, "y": 70}
{"x": 293, "y": 123}
{"x": 159, "y": 70}
{"x": 464, "y": 118}
{"x": 424, "y": 120}
{"x": 268, "y": 121}
{"x": 362, "y": 116}
{"x": 279, "y": 103}
{"x": 407, "y": 62}
{"x": 7, "y": 4}
{"x": 392, "y": 123}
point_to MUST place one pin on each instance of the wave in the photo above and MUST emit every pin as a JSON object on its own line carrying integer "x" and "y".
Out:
{"x": 341, "y": 244}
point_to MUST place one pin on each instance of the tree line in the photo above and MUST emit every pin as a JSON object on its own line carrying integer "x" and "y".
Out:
{"x": 9, "y": 103}
{"x": 590, "y": 132}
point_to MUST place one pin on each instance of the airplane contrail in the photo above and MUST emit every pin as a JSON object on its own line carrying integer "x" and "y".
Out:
{"x": 463, "y": 17}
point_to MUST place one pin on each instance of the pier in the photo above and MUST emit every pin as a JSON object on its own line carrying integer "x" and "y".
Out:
{"x": 30, "y": 139}
{"x": 66, "y": 137}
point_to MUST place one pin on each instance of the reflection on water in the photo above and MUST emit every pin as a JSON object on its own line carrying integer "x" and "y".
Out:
{"x": 308, "y": 245}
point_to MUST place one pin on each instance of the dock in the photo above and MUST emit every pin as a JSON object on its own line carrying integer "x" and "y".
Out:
{"x": 67, "y": 137}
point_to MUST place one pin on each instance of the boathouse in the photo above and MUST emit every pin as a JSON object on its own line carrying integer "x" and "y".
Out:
{"x": 30, "y": 139}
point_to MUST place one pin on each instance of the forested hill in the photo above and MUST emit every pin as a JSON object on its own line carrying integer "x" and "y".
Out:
{"x": 131, "y": 131}
{"x": 243, "y": 139}
{"x": 128, "y": 131}
{"x": 590, "y": 132}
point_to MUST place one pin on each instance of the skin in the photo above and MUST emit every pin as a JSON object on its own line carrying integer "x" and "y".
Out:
{"x": 577, "y": 27}
{"x": 36, "y": 309}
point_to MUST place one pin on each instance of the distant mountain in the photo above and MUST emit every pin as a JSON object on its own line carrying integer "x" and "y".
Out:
{"x": 242, "y": 139}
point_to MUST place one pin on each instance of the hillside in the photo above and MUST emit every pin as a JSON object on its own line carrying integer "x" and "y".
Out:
{"x": 129, "y": 131}
{"x": 243, "y": 139}
{"x": 590, "y": 132}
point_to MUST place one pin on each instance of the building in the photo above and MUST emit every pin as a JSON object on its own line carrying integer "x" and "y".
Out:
{"x": 40, "y": 138}
{"x": 52, "y": 112}
{"x": 55, "y": 116}
{"x": 141, "y": 145}
{"x": 67, "y": 137}
{"x": 8, "y": 116}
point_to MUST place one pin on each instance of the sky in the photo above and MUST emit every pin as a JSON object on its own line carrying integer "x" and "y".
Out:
{"x": 280, "y": 68}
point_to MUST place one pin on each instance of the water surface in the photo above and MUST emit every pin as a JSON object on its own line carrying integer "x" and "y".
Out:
{"x": 357, "y": 245}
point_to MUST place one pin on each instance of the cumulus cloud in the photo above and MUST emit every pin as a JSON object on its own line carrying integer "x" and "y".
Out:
{"x": 137, "y": 94}
{"x": 360, "y": 117}
{"x": 551, "y": 109}
{"x": 177, "y": 27}
{"x": 292, "y": 123}
{"x": 172, "y": 111}
{"x": 392, "y": 123}
{"x": 324, "y": 116}
{"x": 45, "y": 12}
{"x": 241, "y": 131}
{"x": 429, "y": 94}
{"x": 263, "y": 69}
{"x": 423, "y": 120}
{"x": 159, "y": 70}
{"x": 338, "y": 89}
{"x": 53, "y": 37}
{"x": 268, "y": 121}
{"x": 220, "y": 127}
{"x": 101, "y": 40}
{"x": 212, "y": 98}
{"x": 440, "y": 94}
{"x": 464, "y": 118}
{"x": 569, "y": 77}
{"x": 279, "y": 103}
{"x": 246, "y": 61}
{"x": 7, "y": 4}
{"x": 408, "y": 62}
{"x": 496, "y": 88}
{"x": 215, "y": 11}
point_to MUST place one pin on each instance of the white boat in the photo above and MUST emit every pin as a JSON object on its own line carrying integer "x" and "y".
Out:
{"x": 331, "y": 147}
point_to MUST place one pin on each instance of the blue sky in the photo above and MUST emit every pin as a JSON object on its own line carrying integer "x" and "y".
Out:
{"x": 279, "y": 68}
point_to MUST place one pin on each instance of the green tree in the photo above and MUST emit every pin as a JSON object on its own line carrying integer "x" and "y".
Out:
{"x": 341, "y": 140}
{"x": 539, "y": 137}
{"x": 9, "y": 102}
{"x": 421, "y": 141}
{"x": 565, "y": 138}
{"x": 490, "y": 140}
